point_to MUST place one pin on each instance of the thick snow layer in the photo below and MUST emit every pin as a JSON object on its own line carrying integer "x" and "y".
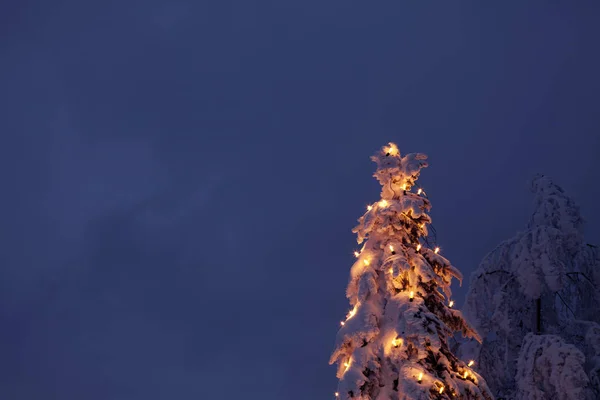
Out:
{"x": 549, "y": 368}
{"x": 553, "y": 208}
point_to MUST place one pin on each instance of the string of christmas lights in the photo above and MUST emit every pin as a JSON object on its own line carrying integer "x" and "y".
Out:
{"x": 401, "y": 299}
{"x": 397, "y": 342}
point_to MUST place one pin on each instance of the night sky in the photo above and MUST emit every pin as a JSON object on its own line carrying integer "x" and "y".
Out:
{"x": 180, "y": 178}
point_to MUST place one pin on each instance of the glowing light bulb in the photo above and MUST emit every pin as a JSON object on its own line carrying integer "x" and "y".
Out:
{"x": 471, "y": 363}
{"x": 356, "y": 254}
{"x": 391, "y": 270}
{"x": 352, "y": 312}
{"x": 411, "y": 295}
{"x": 420, "y": 378}
{"x": 441, "y": 390}
{"x": 419, "y": 191}
{"x": 369, "y": 208}
{"x": 347, "y": 364}
{"x": 466, "y": 374}
{"x": 342, "y": 323}
{"x": 396, "y": 342}
{"x": 337, "y": 394}
{"x": 366, "y": 262}
{"x": 450, "y": 305}
{"x": 392, "y": 150}
{"x": 383, "y": 203}
{"x": 418, "y": 247}
{"x": 391, "y": 248}
{"x": 404, "y": 186}
{"x": 437, "y": 250}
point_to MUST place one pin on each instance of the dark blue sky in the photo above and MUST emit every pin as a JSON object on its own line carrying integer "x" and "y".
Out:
{"x": 180, "y": 178}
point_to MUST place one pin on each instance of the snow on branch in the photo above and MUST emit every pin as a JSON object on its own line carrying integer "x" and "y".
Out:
{"x": 549, "y": 368}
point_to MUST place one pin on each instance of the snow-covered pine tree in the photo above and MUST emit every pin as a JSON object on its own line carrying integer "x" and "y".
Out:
{"x": 544, "y": 280}
{"x": 394, "y": 341}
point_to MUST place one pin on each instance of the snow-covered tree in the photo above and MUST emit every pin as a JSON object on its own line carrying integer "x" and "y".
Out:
{"x": 544, "y": 280}
{"x": 394, "y": 341}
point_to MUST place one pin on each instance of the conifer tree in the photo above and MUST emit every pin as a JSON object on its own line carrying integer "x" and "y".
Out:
{"x": 394, "y": 341}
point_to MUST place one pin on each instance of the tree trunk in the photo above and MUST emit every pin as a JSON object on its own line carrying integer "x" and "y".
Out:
{"x": 538, "y": 316}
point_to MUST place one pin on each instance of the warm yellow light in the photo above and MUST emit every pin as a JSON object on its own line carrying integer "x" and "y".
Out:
{"x": 383, "y": 203}
{"x": 466, "y": 374}
{"x": 411, "y": 295}
{"x": 404, "y": 186}
{"x": 437, "y": 250}
{"x": 352, "y": 312}
{"x": 366, "y": 262}
{"x": 356, "y": 254}
{"x": 396, "y": 342}
{"x": 471, "y": 363}
{"x": 441, "y": 390}
{"x": 420, "y": 377}
{"x": 391, "y": 150}
{"x": 450, "y": 305}
{"x": 342, "y": 323}
{"x": 418, "y": 247}
{"x": 347, "y": 364}
{"x": 337, "y": 394}
{"x": 369, "y": 208}
{"x": 419, "y": 191}
{"x": 391, "y": 248}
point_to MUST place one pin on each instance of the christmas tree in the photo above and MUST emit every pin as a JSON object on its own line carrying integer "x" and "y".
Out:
{"x": 394, "y": 341}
